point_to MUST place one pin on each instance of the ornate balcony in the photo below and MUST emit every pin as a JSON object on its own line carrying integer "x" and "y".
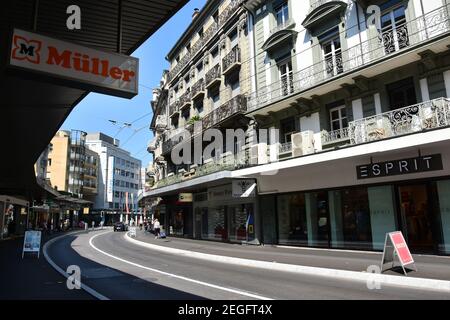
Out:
{"x": 410, "y": 35}
{"x": 174, "y": 108}
{"x": 213, "y": 76}
{"x": 152, "y": 145}
{"x": 336, "y": 137}
{"x": 229, "y": 11}
{"x": 234, "y": 106}
{"x": 160, "y": 123}
{"x": 285, "y": 148}
{"x": 232, "y": 60}
{"x": 424, "y": 116}
{"x": 198, "y": 89}
{"x": 185, "y": 100}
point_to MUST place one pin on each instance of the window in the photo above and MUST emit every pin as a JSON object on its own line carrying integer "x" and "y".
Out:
{"x": 215, "y": 55}
{"x": 215, "y": 96}
{"x": 216, "y": 16}
{"x": 234, "y": 84}
{"x": 286, "y": 78}
{"x": 394, "y": 32}
{"x": 402, "y": 94}
{"x": 282, "y": 14}
{"x": 233, "y": 36}
{"x": 199, "y": 106}
{"x": 332, "y": 53}
{"x": 338, "y": 118}
{"x": 185, "y": 113}
{"x": 287, "y": 127}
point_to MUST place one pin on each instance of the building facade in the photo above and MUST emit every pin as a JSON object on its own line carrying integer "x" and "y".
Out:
{"x": 358, "y": 94}
{"x": 118, "y": 173}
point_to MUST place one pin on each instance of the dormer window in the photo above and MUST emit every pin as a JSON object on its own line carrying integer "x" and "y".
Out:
{"x": 282, "y": 13}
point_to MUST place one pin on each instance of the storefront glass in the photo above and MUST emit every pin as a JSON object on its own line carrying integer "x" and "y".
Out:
{"x": 382, "y": 214}
{"x": 213, "y": 223}
{"x": 292, "y": 222}
{"x": 177, "y": 222}
{"x": 238, "y": 220}
{"x": 443, "y": 188}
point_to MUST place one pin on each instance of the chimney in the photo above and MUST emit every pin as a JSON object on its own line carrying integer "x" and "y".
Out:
{"x": 195, "y": 14}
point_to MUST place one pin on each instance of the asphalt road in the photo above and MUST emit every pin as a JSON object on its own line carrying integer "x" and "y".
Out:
{"x": 119, "y": 269}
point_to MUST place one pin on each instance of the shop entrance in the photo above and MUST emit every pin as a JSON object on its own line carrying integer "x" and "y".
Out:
{"x": 416, "y": 213}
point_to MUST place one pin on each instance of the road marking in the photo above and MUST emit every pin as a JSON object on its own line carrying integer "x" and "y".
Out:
{"x": 240, "y": 292}
{"x": 65, "y": 274}
{"x": 398, "y": 281}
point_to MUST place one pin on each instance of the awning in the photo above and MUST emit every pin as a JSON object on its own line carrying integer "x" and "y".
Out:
{"x": 31, "y": 111}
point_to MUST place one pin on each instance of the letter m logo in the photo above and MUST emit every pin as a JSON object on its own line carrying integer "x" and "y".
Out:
{"x": 24, "y": 49}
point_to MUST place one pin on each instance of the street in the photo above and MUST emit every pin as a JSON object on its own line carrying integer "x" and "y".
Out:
{"x": 118, "y": 269}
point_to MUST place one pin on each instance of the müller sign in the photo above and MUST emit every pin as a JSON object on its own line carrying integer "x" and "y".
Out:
{"x": 400, "y": 167}
{"x": 79, "y": 66}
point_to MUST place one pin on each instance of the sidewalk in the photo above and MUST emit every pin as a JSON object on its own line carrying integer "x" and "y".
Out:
{"x": 31, "y": 278}
{"x": 429, "y": 267}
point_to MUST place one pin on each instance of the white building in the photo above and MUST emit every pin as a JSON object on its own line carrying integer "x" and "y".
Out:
{"x": 119, "y": 175}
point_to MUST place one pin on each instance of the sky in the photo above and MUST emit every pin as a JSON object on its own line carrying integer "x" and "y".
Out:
{"x": 93, "y": 113}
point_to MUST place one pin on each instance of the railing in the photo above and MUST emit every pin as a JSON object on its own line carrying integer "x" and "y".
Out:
{"x": 285, "y": 148}
{"x": 174, "y": 107}
{"x": 212, "y": 74}
{"x": 233, "y": 57}
{"x": 228, "y": 12}
{"x": 420, "y": 117}
{"x": 197, "y": 88}
{"x": 237, "y": 104}
{"x": 335, "y": 137}
{"x": 227, "y": 163}
{"x": 411, "y": 34}
{"x": 161, "y": 122}
{"x": 185, "y": 99}
{"x": 207, "y": 36}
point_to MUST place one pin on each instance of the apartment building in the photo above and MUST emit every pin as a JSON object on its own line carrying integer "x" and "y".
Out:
{"x": 207, "y": 84}
{"x": 359, "y": 93}
{"x": 118, "y": 173}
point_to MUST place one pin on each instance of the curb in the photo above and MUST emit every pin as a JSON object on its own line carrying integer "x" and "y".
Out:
{"x": 405, "y": 282}
{"x": 86, "y": 288}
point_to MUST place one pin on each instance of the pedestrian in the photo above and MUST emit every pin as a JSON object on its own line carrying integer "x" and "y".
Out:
{"x": 156, "y": 228}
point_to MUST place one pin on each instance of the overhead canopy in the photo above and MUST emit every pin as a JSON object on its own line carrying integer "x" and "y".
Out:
{"x": 32, "y": 110}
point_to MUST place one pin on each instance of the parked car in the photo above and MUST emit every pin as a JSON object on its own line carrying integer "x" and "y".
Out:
{"x": 120, "y": 226}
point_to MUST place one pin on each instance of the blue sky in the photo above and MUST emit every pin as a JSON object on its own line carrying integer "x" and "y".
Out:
{"x": 93, "y": 113}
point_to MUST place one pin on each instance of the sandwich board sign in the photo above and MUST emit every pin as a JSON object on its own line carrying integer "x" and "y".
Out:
{"x": 396, "y": 246}
{"x": 133, "y": 232}
{"x": 32, "y": 242}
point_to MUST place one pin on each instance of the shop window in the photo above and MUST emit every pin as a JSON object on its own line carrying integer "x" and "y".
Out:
{"x": 239, "y": 215}
{"x": 292, "y": 224}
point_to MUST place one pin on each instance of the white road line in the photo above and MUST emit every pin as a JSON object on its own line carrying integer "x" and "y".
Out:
{"x": 243, "y": 293}
{"x": 65, "y": 274}
{"x": 366, "y": 277}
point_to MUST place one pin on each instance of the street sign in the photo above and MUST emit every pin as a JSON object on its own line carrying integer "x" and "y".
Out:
{"x": 396, "y": 246}
{"x": 32, "y": 242}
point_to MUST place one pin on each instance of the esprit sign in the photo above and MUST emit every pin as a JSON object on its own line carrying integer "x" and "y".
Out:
{"x": 79, "y": 66}
{"x": 400, "y": 167}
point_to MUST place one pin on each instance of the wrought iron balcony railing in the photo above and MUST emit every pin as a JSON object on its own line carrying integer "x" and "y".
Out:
{"x": 185, "y": 99}
{"x": 213, "y": 76}
{"x": 207, "y": 36}
{"x": 174, "y": 108}
{"x": 285, "y": 148}
{"x": 335, "y": 137}
{"x": 236, "y": 105}
{"x": 420, "y": 117}
{"x": 231, "y": 60}
{"x": 161, "y": 123}
{"x": 198, "y": 89}
{"x": 409, "y": 35}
